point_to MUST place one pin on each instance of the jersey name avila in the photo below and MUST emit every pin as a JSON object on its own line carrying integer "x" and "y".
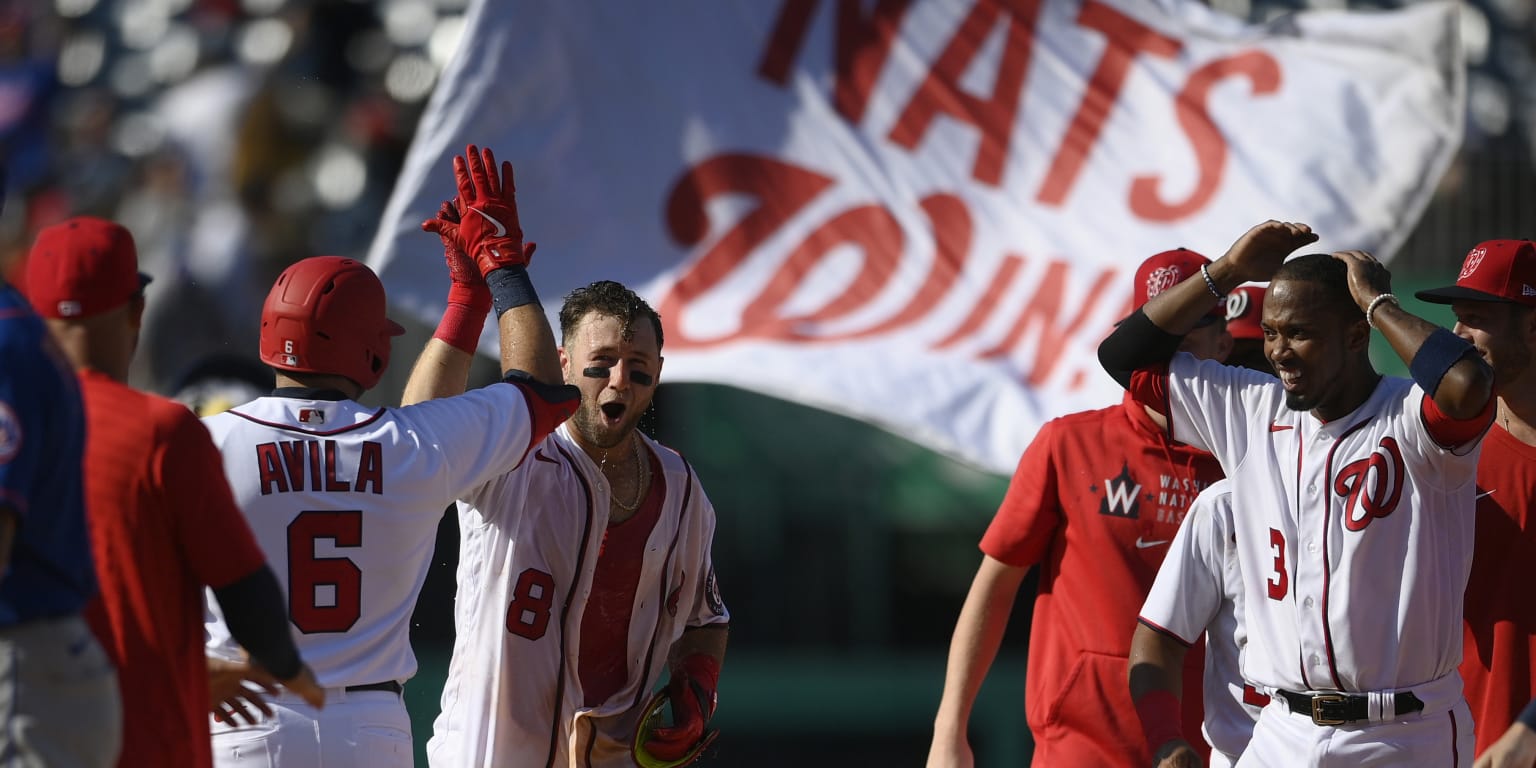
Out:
{"x": 299, "y": 465}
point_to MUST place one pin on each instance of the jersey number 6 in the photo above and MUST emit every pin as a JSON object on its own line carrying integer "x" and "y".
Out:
{"x": 307, "y": 573}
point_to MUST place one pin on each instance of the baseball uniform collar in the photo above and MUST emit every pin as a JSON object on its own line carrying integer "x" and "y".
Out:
{"x": 310, "y": 393}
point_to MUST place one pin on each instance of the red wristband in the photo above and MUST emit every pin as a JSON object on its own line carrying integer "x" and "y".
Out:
{"x": 1158, "y": 711}
{"x": 465, "y": 316}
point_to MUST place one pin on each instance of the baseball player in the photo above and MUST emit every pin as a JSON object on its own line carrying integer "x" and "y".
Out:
{"x": 1198, "y": 591}
{"x": 46, "y": 575}
{"x": 1354, "y": 495}
{"x": 1096, "y": 499}
{"x": 345, "y": 499}
{"x": 1494, "y": 299}
{"x": 162, "y": 522}
{"x": 585, "y": 573}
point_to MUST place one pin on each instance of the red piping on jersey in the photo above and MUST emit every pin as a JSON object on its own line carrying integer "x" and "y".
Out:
{"x": 1455, "y": 753}
{"x": 312, "y": 433}
{"x": 1164, "y": 631}
{"x": 1301, "y": 653}
{"x": 565, "y": 610}
{"x": 666, "y": 569}
{"x": 1333, "y": 667}
{"x": 544, "y": 416}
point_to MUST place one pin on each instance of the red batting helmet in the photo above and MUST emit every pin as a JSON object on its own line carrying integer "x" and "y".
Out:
{"x": 325, "y": 314}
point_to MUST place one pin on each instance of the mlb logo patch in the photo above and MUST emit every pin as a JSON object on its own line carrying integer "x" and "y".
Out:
{"x": 1527, "y": 290}
{"x": 290, "y": 360}
{"x": 311, "y": 416}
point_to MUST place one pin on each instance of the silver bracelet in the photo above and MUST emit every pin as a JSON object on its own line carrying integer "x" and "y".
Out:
{"x": 1211, "y": 284}
{"x": 1370, "y": 309}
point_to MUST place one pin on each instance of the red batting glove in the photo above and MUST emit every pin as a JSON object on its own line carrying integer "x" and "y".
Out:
{"x": 488, "y": 229}
{"x": 468, "y": 285}
{"x": 692, "y": 690}
{"x": 469, "y": 298}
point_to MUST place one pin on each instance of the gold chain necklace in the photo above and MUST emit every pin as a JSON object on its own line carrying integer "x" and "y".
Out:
{"x": 639, "y": 483}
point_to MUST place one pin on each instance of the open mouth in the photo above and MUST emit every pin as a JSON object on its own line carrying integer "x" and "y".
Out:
{"x": 613, "y": 413}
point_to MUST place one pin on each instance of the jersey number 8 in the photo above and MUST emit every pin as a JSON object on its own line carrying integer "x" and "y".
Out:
{"x": 532, "y": 597}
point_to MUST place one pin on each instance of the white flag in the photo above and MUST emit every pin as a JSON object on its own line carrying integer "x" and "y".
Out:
{"x": 922, "y": 214}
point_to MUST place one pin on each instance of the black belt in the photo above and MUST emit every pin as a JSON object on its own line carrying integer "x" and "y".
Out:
{"x": 393, "y": 686}
{"x": 1341, "y": 708}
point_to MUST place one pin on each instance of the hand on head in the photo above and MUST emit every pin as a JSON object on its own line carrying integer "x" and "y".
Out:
{"x": 1368, "y": 278}
{"x": 1261, "y": 250}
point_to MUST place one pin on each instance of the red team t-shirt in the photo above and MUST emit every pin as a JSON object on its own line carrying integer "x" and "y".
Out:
{"x": 1500, "y": 614}
{"x": 1096, "y": 499}
{"x": 163, "y": 524}
{"x": 604, "y": 655}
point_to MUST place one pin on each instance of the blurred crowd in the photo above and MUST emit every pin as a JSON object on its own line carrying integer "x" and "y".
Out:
{"x": 234, "y": 137}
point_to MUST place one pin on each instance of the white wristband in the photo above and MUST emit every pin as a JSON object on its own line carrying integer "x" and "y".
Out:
{"x": 1370, "y": 310}
{"x": 1210, "y": 284}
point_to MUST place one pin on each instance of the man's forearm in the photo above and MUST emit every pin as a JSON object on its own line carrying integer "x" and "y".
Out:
{"x": 708, "y": 640}
{"x": 1461, "y": 390}
{"x": 257, "y": 618}
{"x": 1156, "y": 663}
{"x": 978, "y": 635}
{"x": 441, "y": 371}
{"x": 527, "y": 344}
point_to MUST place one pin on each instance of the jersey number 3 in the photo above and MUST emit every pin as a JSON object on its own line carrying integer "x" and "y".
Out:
{"x": 325, "y": 594}
{"x": 1280, "y": 582}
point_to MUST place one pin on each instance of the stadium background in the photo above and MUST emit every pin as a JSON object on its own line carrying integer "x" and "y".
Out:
{"x": 235, "y": 136}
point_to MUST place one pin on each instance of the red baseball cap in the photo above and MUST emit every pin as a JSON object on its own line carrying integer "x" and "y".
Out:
{"x": 82, "y": 267}
{"x": 1167, "y": 269}
{"x": 1494, "y": 270}
{"x": 1244, "y": 305}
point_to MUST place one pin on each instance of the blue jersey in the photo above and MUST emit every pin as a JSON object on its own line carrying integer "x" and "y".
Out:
{"x": 42, "y": 445}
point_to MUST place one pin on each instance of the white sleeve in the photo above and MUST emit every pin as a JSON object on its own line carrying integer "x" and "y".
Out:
{"x": 708, "y": 606}
{"x": 1209, "y": 405}
{"x": 480, "y": 434}
{"x": 1189, "y": 588}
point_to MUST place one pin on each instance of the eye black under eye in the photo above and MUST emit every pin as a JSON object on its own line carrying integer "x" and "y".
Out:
{"x": 602, "y": 372}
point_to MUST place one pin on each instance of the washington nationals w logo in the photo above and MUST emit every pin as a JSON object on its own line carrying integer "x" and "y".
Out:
{"x": 1371, "y": 486}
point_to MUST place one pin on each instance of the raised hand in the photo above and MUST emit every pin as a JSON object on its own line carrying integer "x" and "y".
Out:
{"x": 462, "y": 271}
{"x": 488, "y": 229}
{"x": 1261, "y": 250}
{"x": 1368, "y": 278}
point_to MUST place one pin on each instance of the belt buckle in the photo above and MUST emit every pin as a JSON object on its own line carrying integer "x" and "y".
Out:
{"x": 1323, "y": 700}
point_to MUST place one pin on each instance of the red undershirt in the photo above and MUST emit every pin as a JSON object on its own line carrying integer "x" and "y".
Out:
{"x": 604, "y": 654}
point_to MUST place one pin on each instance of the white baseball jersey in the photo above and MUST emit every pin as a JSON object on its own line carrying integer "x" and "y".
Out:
{"x": 1199, "y": 590}
{"x": 529, "y": 543}
{"x": 345, "y": 500}
{"x": 1354, "y": 536}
